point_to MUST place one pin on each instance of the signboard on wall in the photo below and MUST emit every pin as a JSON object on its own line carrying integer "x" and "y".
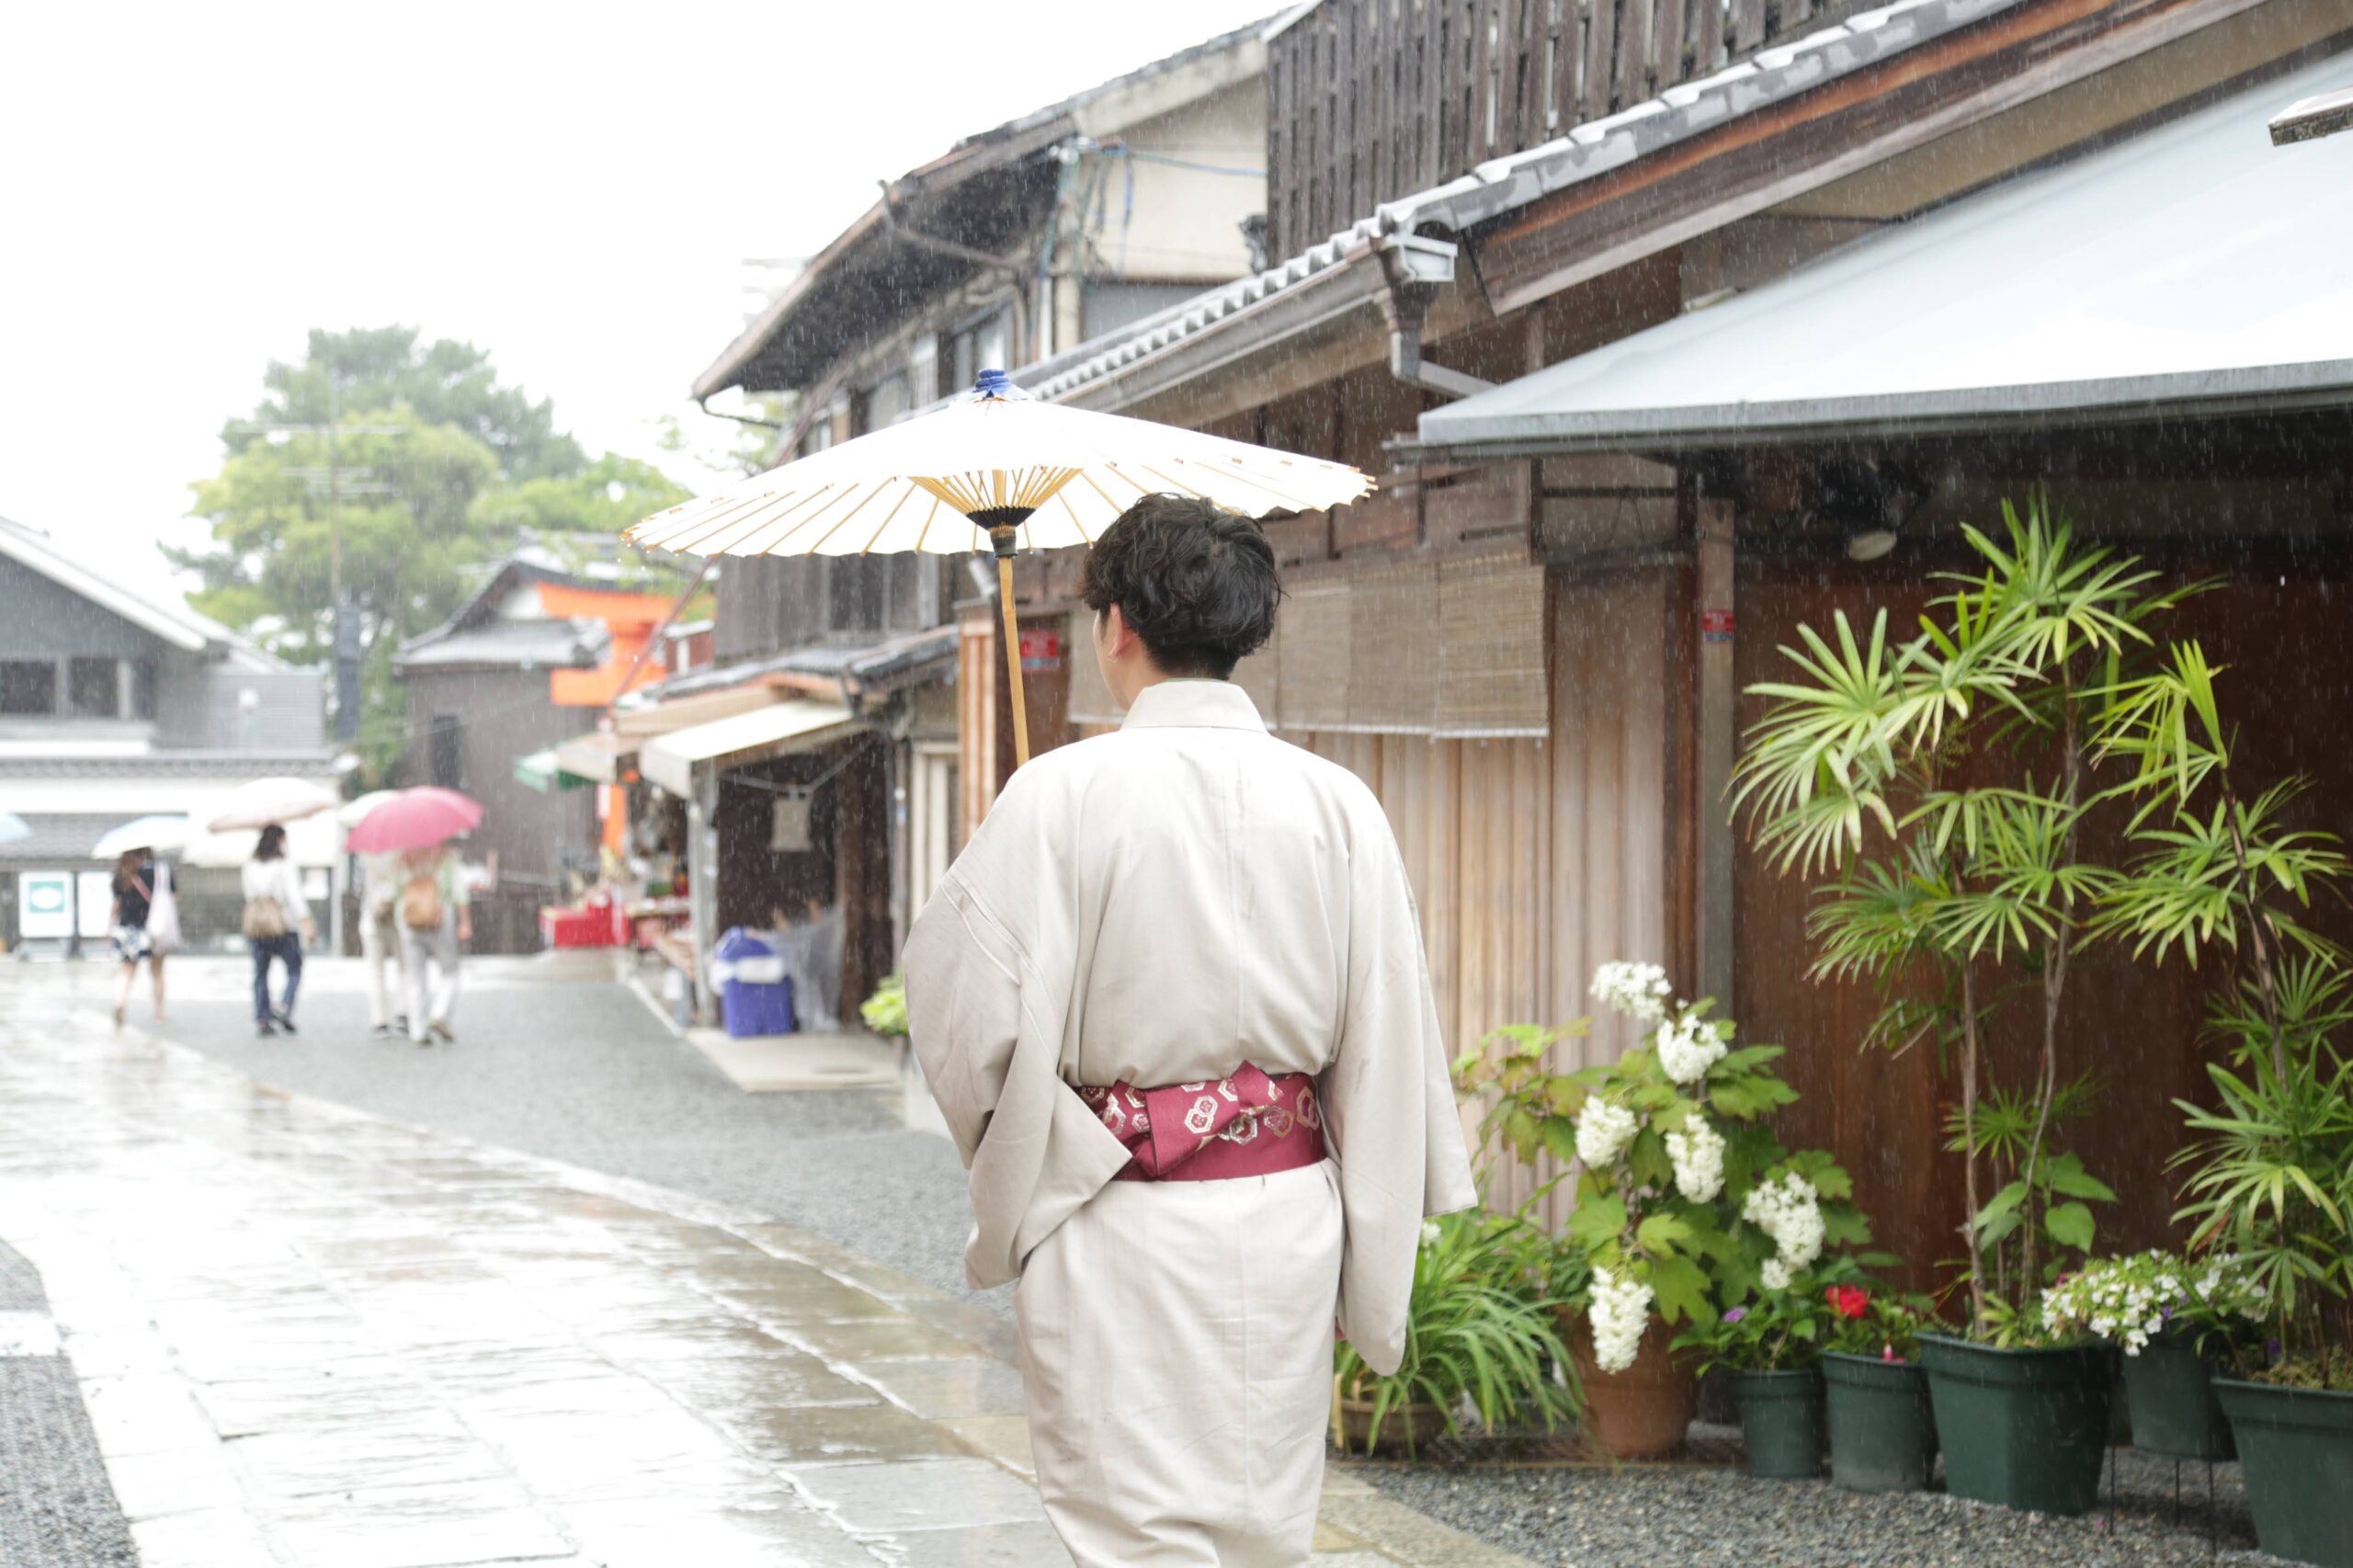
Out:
{"x": 1042, "y": 648}
{"x": 45, "y": 905}
{"x": 97, "y": 903}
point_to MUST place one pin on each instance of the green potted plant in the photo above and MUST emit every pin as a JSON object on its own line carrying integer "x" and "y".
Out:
{"x": 2268, "y": 1173}
{"x": 1883, "y": 1431}
{"x": 1683, "y": 1198}
{"x": 1481, "y": 1333}
{"x": 1771, "y": 1347}
{"x": 885, "y": 1012}
{"x": 2176, "y": 1319}
{"x": 1943, "y": 788}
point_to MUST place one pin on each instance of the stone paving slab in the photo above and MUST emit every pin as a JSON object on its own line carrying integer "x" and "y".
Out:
{"x": 309, "y": 1335}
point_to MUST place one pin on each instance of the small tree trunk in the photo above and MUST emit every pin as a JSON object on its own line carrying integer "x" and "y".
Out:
{"x": 2258, "y": 939}
{"x": 1969, "y": 1142}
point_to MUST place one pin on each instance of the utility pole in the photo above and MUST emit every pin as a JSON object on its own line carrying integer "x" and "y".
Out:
{"x": 344, "y": 619}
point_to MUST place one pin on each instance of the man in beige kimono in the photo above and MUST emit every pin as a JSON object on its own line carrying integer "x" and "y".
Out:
{"x": 1172, "y": 1002}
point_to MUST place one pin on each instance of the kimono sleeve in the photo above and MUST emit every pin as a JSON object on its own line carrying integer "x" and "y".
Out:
{"x": 1389, "y": 1106}
{"x": 963, "y": 1010}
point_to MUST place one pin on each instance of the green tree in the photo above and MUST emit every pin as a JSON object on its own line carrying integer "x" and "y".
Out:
{"x": 432, "y": 472}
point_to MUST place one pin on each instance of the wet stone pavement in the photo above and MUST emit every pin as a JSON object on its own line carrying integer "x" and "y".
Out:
{"x": 308, "y": 1335}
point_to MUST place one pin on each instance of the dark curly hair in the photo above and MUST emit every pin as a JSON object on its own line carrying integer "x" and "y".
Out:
{"x": 1195, "y": 581}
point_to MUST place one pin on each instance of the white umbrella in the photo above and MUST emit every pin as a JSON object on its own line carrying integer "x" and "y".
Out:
{"x": 995, "y": 470}
{"x": 147, "y": 832}
{"x": 268, "y": 801}
{"x": 354, "y": 813}
{"x": 14, "y": 827}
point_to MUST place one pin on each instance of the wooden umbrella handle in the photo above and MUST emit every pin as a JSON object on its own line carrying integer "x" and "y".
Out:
{"x": 1013, "y": 660}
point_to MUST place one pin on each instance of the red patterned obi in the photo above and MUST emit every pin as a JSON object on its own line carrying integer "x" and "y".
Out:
{"x": 1247, "y": 1125}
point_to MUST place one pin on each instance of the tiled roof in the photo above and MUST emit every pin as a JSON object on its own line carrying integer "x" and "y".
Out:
{"x": 62, "y": 836}
{"x": 172, "y": 764}
{"x": 1591, "y": 149}
{"x": 866, "y": 663}
{"x": 571, "y": 642}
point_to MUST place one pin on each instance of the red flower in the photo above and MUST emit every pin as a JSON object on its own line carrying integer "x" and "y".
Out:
{"x": 1847, "y": 1301}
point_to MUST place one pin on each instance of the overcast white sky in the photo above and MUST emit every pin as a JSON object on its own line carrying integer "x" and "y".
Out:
{"x": 187, "y": 189}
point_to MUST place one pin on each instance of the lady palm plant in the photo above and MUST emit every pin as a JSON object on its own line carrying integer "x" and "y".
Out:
{"x": 1941, "y": 788}
{"x": 2270, "y": 1171}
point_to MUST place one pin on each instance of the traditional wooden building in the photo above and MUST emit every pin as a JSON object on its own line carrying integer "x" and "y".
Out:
{"x": 1023, "y": 240}
{"x": 1628, "y": 239}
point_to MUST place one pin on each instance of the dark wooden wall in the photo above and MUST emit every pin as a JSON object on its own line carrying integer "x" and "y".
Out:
{"x": 2288, "y": 690}
{"x": 505, "y": 714}
{"x": 1369, "y": 100}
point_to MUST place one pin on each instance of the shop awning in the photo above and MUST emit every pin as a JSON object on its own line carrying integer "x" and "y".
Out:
{"x": 2194, "y": 268}
{"x": 543, "y": 771}
{"x": 740, "y": 738}
{"x": 600, "y": 757}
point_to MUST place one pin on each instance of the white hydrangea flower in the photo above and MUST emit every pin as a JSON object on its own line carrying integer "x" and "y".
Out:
{"x": 1775, "y": 1274}
{"x": 1789, "y": 1212}
{"x": 1604, "y": 1129}
{"x": 1688, "y": 1046}
{"x": 1698, "y": 1152}
{"x": 1637, "y": 989}
{"x": 1619, "y": 1311}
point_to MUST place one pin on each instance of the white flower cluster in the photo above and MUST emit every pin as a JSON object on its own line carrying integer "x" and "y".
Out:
{"x": 2131, "y": 1299}
{"x": 1619, "y": 1311}
{"x": 1688, "y": 1046}
{"x": 1432, "y": 1233}
{"x": 1637, "y": 989}
{"x": 1604, "y": 1129}
{"x": 1698, "y": 1152}
{"x": 1774, "y": 1274}
{"x": 1789, "y": 1212}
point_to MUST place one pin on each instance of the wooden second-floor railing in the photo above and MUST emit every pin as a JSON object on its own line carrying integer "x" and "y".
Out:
{"x": 1369, "y": 100}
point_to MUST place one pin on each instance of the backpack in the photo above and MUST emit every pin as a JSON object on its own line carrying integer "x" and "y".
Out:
{"x": 421, "y": 902}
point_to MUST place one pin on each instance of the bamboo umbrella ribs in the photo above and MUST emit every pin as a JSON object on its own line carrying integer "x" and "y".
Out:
{"x": 995, "y": 470}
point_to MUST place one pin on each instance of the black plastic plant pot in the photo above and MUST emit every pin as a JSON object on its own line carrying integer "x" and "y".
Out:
{"x": 1882, "y": 1433}
{"x": 2296, "y": 1451}
{"x": 2023, "y": 1429}
{"x": 1780, "y": 1422}
{"x": 2170, "y": 1388}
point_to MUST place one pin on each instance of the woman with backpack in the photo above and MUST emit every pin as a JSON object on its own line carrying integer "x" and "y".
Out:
{"x": 142, "y": 906}
{"x": 277, "y": 923}
{"x": 436, "y": 917}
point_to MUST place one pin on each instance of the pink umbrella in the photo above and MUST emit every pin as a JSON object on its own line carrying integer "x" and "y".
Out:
{"x": 414, "y": 818}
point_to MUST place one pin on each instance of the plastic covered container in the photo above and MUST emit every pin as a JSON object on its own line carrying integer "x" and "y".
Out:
{"x": 755, "y": 995}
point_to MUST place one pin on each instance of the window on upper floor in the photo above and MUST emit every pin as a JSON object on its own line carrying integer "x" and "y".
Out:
{"x": 983, "y": 345}
{"x": 447, "y": 754}
{"x": 27, "y": 688}
{"x": 94, "y": 688}
{"x": 142, "y": 688}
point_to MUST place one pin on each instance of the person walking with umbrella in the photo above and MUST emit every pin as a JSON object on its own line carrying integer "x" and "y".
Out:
{"x": 137, "y": 874}
{"x": 1172, "y": 1002}
{"x": 415, "y": 827}
{"x": 277, "y": 924}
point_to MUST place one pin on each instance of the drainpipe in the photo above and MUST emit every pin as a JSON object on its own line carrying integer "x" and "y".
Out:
{"x": 1417, "y": 269}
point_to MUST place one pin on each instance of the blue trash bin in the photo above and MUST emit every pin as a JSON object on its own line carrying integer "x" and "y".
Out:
{"x": 754, "y": 996}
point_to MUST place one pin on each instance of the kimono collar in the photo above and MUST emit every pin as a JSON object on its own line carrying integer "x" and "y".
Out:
{"x": 1194, "y": 704}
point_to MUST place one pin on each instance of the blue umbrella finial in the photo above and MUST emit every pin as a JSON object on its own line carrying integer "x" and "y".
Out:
{"x": 993, "y": 384}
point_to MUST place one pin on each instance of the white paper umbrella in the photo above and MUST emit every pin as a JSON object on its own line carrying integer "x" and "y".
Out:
{"x": 14, "y": 827}
{"x": 354, "y": 813}
{"x": 147, "y": 832}
{"x": 996, "y": 469}
{"x": 268, "y": 801}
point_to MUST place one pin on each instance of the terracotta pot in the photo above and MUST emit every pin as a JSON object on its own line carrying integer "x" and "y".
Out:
{"x": 1406, "y": 1429}
{"x": 1642, "y": 1411}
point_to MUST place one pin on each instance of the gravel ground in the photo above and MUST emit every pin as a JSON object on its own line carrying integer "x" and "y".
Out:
{"x": 582, "y": 1070}
{"x": 1636, "y": 1517}
{"x": 57, "y": 1508}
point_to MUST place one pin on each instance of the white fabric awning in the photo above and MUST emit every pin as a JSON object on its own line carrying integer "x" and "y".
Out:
{"x": 670, "y": 760}
{"x": 2194, "y": 268}
{"x": 600, "y": 756}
